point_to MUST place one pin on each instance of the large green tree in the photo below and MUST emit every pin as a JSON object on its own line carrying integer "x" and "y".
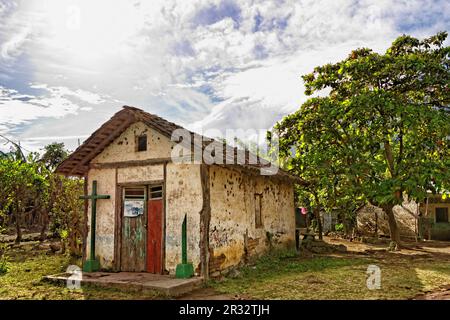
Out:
{"x": 54, "y": 154}
{"x": 33, "y": 196}
{"x": 21, "y": 183}
{"x": 378, "y": 127}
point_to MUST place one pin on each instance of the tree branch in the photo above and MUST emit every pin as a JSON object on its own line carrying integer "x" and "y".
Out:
{"x": 389, "y": 157}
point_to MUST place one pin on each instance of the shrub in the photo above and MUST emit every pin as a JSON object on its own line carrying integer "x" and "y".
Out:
{"x": 339, "y": 227}
{"x": 3, "y": 259}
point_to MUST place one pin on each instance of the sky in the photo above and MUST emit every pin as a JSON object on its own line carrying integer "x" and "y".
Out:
{"x": 66, "y": 66}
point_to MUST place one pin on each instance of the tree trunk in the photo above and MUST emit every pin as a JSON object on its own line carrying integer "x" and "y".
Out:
{"x": 63, "y": 246}
{"x": 319, "y": 223}
{"x": 393, "y": 228}
{"x": 376, "y": 224}
{"x": 45, "y": 221}
{"x": 18, "y": 229}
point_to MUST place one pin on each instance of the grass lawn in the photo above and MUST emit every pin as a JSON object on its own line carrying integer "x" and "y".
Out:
{"x": 286, "y": 276}
{"x": 404, "y": 275}
{"x": 24, "y": 279}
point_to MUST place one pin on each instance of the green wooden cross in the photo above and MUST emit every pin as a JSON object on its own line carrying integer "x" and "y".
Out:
{"x": 92, "y": 264}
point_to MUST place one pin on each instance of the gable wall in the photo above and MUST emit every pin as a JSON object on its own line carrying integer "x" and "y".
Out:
{"x": 183, "y": 196}
{"x": 124, "y": 147}
{"x": 121, "y": 150}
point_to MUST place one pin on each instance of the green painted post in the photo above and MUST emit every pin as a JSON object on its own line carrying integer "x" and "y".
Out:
{"x": 92, "y": 264}
{"x": 183, "y": 243}
{"x": 184, "y": 269}
{"x": 93, "y": 218}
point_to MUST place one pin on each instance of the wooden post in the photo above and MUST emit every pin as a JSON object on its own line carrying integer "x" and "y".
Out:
{"x": 205, "y": 218}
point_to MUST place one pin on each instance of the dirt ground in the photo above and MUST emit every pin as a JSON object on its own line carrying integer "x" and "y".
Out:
{"x": 435, "y": 250}
{"x": 412, "y": 251}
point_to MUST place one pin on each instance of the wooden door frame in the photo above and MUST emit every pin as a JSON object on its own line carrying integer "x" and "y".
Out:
{"x": 120, "y": 187}
{"x": 163, "y": 219}
{"x": 119, "y": 218}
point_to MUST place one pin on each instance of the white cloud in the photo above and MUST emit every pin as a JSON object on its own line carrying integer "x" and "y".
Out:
{"x": 18, "y": 109}
{"x": 83, "y": 95}
{"x": 204, "y": 63}
{"x": 11, "y": 48}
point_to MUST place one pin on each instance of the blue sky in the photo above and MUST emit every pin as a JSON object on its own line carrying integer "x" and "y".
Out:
{"x": 66, "y": 66}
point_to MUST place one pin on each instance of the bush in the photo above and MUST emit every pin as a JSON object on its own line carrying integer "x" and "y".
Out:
{"x": 339, "y": 227}
{"x": 3, "y": 259}
{"x": 3, "y": 266}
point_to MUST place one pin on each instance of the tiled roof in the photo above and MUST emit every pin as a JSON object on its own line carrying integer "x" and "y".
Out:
{"x": 77, "y": 164}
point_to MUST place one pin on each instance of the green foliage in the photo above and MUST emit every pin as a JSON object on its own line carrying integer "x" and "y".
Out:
{"x": 339, "y": 227}
{"x": 3, "y": 258}
{"x": 381, "y": 131}
{"x": 3, "y": 266}
{"x": 54, "y": 154}
{"x": 33, "y": 196}
{"x": 66, "y": 218}
{"x": 22, "y": 184}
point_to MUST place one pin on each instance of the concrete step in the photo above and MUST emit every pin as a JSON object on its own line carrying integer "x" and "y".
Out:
{"x": 139, "y": 281}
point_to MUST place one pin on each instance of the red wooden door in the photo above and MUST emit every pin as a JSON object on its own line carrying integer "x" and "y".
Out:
{"x": 154, "y": 236}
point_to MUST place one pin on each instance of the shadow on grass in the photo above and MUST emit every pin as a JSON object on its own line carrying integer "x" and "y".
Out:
{"x": 285, "y": 263}
{"x": 287, "y": 276}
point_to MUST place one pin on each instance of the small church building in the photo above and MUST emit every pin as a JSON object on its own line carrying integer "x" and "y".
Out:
{"x": 233, "y": 211}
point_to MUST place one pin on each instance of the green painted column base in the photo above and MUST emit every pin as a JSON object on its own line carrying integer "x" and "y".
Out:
{"x": 91, "y": 266}
{"x": 184, "y": 270}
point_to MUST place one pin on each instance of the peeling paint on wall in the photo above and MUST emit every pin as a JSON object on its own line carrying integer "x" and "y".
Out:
{"x": 104, "y": 246}
{"x": 141, "y": 173}
{"x": 183, "y": 196}
{"x": 233, "y": 235}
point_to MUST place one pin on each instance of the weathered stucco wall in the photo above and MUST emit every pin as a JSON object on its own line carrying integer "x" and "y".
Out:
{"x": 437, "y": 230}
{"x": 430, "y": 211}
{"x": 104, "y": 239}
{"x": 140, "y": 174}
{"x": 233, "y": 235}
{"x": 124, "y": 147}
{"x": 183, "y": 196}
{"x": 406, "y": 222}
